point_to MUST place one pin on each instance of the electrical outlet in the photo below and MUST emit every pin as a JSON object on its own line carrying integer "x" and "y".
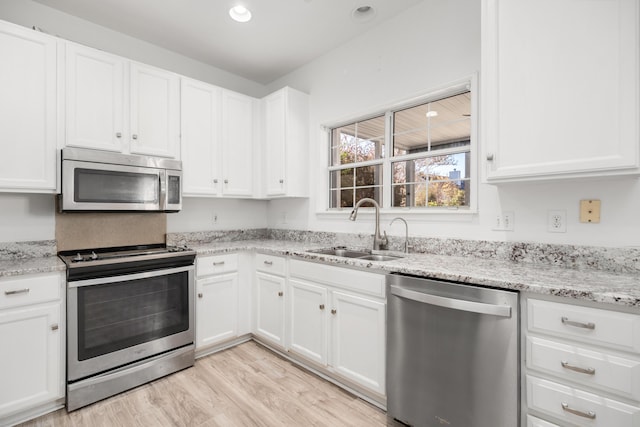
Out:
{"x": 557, "y": 221}
{"x": 504, "y": 221}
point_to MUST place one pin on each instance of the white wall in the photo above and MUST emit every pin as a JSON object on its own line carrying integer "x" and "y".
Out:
{"x": 26, "y": 217}
{"x": 197, "y": 214}
{"x": 434, "y": 43}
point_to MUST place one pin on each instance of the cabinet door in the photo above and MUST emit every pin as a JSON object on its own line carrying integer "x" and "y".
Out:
{"x": 237, "y": 144}
{"x": 270, "y": 307}
{"x": 561, "y": 95}
{"x": 30, "y": 365}
{"x": 200, "y": 145}
{"x": 27, "y": 110}
{"x": 308, "y": 320}
{"x": 275, "y": 139}
{"x": 155, "y": 111}
{"x": 216, "y": 309}
{"x": 95, "y": 99}
{"x": 358, "y": 340}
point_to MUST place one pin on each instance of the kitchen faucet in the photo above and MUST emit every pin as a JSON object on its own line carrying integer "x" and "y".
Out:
{"x": 406, "y": 233}
{"x": 379, "y": 242}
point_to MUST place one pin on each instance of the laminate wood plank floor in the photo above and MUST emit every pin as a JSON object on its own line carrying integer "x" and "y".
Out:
{"x": 247, "y": 385}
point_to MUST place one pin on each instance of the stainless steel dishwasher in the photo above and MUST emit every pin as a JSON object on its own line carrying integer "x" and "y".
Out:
{"x": 452, "y": 354}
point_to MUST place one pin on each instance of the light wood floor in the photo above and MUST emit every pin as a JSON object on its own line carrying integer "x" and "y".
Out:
{"x": 247, "y": 385}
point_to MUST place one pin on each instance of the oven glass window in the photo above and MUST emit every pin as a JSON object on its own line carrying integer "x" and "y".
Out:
{"x": 115, "y": 316}
{"x": 101, "y": 186}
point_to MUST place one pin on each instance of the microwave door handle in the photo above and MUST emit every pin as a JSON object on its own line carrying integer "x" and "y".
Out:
{"x": 162, "y": 177}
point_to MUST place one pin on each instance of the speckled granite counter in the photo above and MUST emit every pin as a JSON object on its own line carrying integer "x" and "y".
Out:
{"x": 18, "y": 258}
{"x": 591, "y": 285}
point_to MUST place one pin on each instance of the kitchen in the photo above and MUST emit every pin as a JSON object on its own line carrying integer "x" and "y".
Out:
{"x": 339, "y": 86}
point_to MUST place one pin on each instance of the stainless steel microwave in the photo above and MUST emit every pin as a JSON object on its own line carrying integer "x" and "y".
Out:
{"x": 95, "y": 180}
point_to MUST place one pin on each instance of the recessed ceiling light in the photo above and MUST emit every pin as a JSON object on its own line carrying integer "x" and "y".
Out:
{"x": 363, "y": 13}
{"x": 432, "y": 114}
{"x": 240, "y": 13}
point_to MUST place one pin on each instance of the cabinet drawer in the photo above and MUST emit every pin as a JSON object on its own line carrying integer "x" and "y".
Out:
{"x": 579, "y": 407}
{"x": 270, "y": 264}
{"x": 592, "y": 325}
{"x": 537, "y": 422}
{"x": 346, "y": 278}
{"x": 609, "y": 372}
{"x": 216, "y": 264}
{"x": 29, "y": 289}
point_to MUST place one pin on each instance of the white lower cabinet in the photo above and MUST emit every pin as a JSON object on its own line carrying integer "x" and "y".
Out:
{"x": 332, "y": 324}
{"x": 582, "y": 365}
{"x": 218, "y": 302}
{"x": 269, "y": 316}
{"x": 31, "y": 345}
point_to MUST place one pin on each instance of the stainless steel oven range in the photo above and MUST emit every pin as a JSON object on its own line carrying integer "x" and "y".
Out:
{"x": 130, "y": 318}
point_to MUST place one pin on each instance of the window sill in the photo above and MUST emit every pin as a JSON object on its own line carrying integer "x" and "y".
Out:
{"x": 413, "y": 214}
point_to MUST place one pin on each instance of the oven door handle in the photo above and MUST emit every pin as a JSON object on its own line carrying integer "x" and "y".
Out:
{"x": 127, "y": 277}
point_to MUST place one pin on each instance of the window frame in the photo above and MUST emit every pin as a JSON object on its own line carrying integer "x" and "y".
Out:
{"x": 468, "y": 84}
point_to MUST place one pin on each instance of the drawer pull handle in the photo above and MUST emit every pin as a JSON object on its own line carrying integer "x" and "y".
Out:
{"x": 54, "y": 327}
{"x": 280, "y": 293}
{"x": 200, "y": 295}
{"x": 588, "y": 371}
{"x": 17, "y": 291}
{"x": 334, "y": 311}
{"x": 268, "y": 263}
{"x": 321, "y": 306}
{"x": 218, "y": 263}
{"x": 568, "y": 322}
{"x": 591, "y": 415}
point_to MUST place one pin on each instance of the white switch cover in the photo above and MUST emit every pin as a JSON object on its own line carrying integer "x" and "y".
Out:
{"x": 505, "y": 221}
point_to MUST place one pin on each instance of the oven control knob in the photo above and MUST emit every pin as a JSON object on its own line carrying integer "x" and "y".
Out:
{"x": 94, "y": 255}
{"x": 78, "y": 257}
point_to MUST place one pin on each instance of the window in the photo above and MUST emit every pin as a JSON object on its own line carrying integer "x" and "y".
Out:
{"x": 418, "y": 155}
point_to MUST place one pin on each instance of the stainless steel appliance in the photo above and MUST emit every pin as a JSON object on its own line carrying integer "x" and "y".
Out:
{"x": 95, "y": 180}
{"x": 452, "y": 354}
{"x": 130, "y": 318}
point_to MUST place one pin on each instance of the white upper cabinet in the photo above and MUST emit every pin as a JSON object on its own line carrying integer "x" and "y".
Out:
{"x": 201, "y": 162}
{"x": 286, "y": 134}
{"x": 117, "y": 105}
{"x": 560, "y": 88}
{"x": 28, "y": 106}
{"x": 237, "y": 143}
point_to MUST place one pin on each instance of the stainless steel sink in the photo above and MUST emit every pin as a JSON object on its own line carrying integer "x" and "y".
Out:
{"x": 343, "y": 252}
{"x": 353, "y": 253}
{"x": 380, "y": 257}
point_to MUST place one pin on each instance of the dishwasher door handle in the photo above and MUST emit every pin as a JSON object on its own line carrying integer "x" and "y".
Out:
{"x": 455, "y": 304}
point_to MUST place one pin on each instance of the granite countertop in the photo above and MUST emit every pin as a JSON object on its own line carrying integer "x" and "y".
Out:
{"x": 591, "y": 285}
{"x": 17, "y": 267}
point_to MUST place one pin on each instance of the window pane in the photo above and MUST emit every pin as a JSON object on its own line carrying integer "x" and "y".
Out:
{"x": 452, "y": 166}
{"x": 343, "y": 145}
{"x": 341, "y": 198}
{"x": 342, "y": 178}
{"x": 369, "y": 175}
{"x": 374, "y": 193}
{"x": 448, "y": 193}
{"x": 445, "y": 123}
{"x": 358, "y": 142}
{"x": 409, "y": 195}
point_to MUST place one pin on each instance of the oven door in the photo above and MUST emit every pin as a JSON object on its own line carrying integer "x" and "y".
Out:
{"x": 107, "y": 187}
{"x": 113, "y": 321}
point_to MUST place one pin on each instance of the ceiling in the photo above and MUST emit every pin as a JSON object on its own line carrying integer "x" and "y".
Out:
{"x": 282, "y": 36}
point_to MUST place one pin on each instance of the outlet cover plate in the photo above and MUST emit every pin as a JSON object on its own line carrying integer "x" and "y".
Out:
{"x": 557, "y": 221}
{"x": 590, "y": 211}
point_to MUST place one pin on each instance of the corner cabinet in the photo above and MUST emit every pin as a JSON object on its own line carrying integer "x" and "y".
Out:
{"x": 32, "y": 335}
{"x": 114, "y": 104}
{"x": 28, "y": 108}
{"x": 560, "y": 89}
{"x": 286, "y": 135}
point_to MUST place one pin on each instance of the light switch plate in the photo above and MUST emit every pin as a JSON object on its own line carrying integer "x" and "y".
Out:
{"x": 590, "y": 211}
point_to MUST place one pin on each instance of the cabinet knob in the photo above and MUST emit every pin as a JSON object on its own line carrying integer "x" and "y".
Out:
{"x": 321, "y": 306}
{"x": 215, "y": 181}
{"x": 282, "y": 181}
{"x": 134, "y": 136}
{"x": 54, "y": 327}
{"x": 226, "y": 181}
{"x": 200, "y": 295}
{"x": 118, "y": 134}
{"x": 489, "y": 156}
{"x": 334, "y": 311}
{"x": 280, "y": 293}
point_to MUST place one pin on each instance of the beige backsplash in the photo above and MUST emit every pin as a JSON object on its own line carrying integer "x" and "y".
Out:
{"x": 103, "y": 230}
